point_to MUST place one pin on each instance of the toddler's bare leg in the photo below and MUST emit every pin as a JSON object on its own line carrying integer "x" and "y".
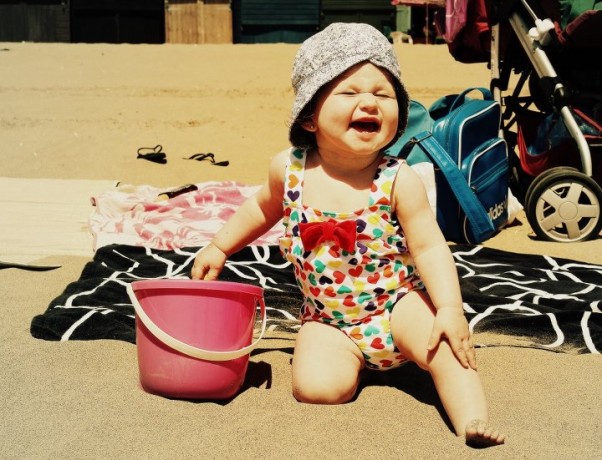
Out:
{"x": 326, "y": 365}
{"x": 459, "y": 389}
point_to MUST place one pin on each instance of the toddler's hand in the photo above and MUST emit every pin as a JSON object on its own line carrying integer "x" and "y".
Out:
{"x": 451, "y": 323}
{"x": 208, "y": 263}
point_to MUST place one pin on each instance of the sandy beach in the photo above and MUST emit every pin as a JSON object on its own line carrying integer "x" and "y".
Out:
{"x": 76, "y": 115}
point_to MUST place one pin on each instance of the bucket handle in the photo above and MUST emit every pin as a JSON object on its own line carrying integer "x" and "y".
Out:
{"x": 190, "y": 350}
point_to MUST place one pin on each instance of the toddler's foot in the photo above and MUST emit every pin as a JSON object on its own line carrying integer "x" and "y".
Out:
{"x": 480, "y": 434}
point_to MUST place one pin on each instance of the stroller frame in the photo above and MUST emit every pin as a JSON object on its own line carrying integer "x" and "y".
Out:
{"x": 533, "y": 40}
{"x": 562, "y": 204}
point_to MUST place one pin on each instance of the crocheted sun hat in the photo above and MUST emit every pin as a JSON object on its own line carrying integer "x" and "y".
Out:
{"x": 327, "y": 54}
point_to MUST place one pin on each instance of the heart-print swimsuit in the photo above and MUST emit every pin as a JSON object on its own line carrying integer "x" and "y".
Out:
{"x": 354, "y": 291}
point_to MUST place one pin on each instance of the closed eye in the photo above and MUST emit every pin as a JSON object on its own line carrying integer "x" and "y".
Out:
{"x": 379, "y": 95}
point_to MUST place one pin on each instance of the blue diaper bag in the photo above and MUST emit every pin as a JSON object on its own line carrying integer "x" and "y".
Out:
{"x": 460, "y": 136}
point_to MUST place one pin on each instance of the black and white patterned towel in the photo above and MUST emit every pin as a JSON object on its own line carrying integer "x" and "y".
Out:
{"x": 525, "y": 300}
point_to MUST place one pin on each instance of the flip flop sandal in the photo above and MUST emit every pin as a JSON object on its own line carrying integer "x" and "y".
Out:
{"x": 207, "y": 156}
{"x": 154, "y": 154}
{"x": 33, "y": 268}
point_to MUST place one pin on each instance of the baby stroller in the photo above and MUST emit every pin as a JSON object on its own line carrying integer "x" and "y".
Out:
{"x": 553, "y": 117}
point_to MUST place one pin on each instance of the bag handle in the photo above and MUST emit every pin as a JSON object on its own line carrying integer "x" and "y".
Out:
{"x": 487, "y": 96}
{"x": 481, "y": 224}
{"x": 190, "y": 350}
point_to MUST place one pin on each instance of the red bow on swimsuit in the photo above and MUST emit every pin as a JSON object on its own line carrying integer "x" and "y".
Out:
{"x": 316, "y": 233}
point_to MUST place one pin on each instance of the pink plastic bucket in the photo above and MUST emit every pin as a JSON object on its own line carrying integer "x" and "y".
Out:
{"x": 194, "y": 337}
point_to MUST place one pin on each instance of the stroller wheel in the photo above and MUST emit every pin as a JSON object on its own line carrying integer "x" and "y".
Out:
{"x": 543, "y": 175}
{"x": 564, "y": 205}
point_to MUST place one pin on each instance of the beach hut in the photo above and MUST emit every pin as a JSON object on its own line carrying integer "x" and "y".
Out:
{"x": 378, "y": 13}
{"x": 117, "y": 21}
{"x": 34, "y": 21}
{"x": 273, "y": 21}
{"x": 196, "y": 21}
{"x": 292, "y": 21}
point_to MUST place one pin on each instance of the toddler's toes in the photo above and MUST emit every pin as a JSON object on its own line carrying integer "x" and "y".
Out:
{"x": 480, "y": 434}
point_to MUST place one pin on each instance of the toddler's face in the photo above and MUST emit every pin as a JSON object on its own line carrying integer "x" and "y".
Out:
{"x": 357, "y": 112}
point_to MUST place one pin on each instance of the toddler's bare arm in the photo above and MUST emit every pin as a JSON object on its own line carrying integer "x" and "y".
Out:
{"x": 256, "y": 216}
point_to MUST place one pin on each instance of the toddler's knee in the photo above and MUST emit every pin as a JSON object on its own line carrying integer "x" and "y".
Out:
{"x": 322, "y": 391}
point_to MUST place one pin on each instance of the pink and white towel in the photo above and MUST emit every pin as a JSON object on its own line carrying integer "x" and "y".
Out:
{"x": 138, "y": 216}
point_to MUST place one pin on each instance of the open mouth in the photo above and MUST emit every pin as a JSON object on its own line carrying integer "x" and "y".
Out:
{"x": 365, "y": 126}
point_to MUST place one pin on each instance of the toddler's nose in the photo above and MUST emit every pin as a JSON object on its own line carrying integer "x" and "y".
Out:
{"x": 367, "y": 101}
